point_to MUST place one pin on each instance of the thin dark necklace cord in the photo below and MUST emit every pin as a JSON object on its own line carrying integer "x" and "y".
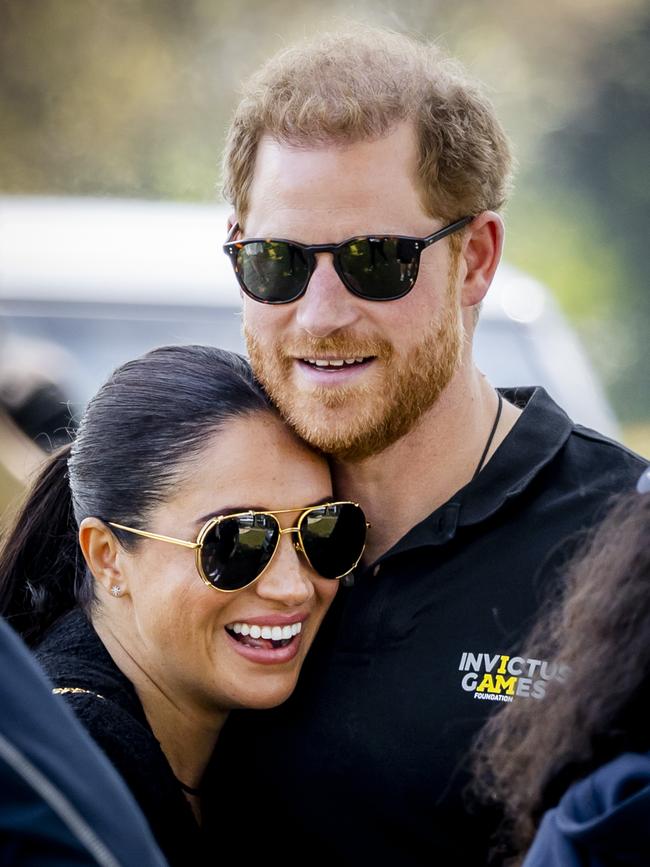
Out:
{"x": 490, "y": 438}
{"x": 186, "y": 788}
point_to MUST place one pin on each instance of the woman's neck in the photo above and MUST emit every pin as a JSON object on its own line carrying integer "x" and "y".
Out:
{"x": 186, "y": 732}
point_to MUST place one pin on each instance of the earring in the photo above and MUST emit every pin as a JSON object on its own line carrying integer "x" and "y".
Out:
{"x": 116, "y": 590}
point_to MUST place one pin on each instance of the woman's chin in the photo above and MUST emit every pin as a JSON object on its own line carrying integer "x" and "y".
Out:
{"x": 267, "y": 696}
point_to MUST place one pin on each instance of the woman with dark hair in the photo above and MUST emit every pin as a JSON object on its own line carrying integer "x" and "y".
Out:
{"x": 572, "y": 775}
{"x": 174, "y": 563}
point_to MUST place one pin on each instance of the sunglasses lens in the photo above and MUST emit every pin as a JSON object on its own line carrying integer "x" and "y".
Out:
{"x": 380, "y": 269}
{"x": 333, "y": 537}
{"x": 236, "y": 550}
{"x": 272, "y": 271}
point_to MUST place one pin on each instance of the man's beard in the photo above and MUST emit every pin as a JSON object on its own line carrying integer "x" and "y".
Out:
{"x": 354, "y": 422}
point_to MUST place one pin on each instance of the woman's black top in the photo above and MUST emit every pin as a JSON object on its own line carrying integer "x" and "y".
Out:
{"x": 106, "y": 702}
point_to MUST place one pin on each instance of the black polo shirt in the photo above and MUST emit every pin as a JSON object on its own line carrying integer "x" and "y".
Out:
{"x": 365, "y": 764}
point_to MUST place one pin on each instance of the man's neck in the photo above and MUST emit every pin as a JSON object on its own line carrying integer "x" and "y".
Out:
{"x": 400, "y": 486}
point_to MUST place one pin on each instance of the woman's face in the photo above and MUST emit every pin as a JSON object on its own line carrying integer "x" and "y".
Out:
{"x": 177, "y": 629}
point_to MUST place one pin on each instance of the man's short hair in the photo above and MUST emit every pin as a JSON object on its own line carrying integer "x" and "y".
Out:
{"x": 344, "y": 87}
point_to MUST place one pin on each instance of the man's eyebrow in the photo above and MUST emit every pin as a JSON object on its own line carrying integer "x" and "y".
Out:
{"x": 235, "y": 510}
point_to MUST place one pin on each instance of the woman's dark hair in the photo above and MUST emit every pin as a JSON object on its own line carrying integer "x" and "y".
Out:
{"x": 152, "y": 416}
{"x": 527, "y": 755}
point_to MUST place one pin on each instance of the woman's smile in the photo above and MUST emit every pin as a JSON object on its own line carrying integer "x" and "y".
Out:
{"x": 270, "y": 639}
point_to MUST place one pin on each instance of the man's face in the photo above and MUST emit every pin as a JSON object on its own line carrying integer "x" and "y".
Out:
{"x": 351, "y": 376}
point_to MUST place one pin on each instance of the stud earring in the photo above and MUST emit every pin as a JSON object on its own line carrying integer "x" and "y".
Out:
{"x": 116, "y": 590}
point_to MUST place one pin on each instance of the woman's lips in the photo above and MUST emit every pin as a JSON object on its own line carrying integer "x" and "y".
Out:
{"x": 268, "y": 639}
{"x": 261, "y": 650}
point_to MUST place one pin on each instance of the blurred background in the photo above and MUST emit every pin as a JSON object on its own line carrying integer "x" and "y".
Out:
{"x": 130, "y": 99}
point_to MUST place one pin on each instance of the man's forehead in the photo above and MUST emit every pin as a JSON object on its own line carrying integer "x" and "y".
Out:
{"x": 398, "y": 145}
{"x": 292, "y": 165}
{"x": 333, "y": 178}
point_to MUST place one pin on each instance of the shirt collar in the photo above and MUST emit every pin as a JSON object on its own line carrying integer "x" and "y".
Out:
{"x": 538, "y": 435}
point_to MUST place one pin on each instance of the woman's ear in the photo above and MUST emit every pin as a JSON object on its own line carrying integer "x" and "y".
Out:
{"x": 103, "y": 555}
{"x": 482, "y": 246}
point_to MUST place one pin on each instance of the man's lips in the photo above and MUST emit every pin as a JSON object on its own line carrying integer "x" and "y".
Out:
{"x": 335, "y": 362}
{"x": 333, "y": 369}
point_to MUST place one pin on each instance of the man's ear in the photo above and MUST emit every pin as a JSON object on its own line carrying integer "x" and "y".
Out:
{"x": 103, "y": 555}
{"x": 230, "y": 222}
{"x": 481, "y": 252}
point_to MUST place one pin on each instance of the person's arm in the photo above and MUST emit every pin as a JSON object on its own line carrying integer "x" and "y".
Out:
{"x": 601, "y": 819}
{"x": 61, "y": 801}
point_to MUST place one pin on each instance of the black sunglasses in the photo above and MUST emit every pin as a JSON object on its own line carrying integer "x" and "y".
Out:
{"x": 374, "y": 267}
{"x": 232, "y": 551}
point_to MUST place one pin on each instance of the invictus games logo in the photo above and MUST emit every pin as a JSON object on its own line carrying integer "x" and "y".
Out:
{"x": 501, "y": 678}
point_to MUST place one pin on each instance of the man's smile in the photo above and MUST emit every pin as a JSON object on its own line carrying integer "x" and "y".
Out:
{"x": 333, "y": 362}
{"x": 334, "y": 371}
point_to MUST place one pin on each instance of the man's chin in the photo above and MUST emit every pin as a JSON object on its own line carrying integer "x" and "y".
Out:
{"x": 323, "y": 425}
{"x": 350, "y": 436}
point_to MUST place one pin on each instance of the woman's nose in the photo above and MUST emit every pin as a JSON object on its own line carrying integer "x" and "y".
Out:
{"x": 288, "y": 578}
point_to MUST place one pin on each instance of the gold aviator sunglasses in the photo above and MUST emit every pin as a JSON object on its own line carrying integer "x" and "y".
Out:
{"x": 233, "y": 551}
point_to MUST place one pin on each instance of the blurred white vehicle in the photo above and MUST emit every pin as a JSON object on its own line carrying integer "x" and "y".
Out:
{"x": 90, "y": 283}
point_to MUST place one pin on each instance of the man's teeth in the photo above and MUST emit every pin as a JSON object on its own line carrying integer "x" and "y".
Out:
{"x": 273, "y": 633}
{"x": 333, "y": 362}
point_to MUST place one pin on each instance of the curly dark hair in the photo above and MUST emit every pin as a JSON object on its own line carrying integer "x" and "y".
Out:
{"x": 527, "y": 756}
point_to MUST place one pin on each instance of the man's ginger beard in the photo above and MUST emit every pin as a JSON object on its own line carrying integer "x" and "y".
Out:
{"x": 356, "y": 421}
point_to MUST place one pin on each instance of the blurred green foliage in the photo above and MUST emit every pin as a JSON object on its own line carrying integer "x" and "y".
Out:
{"x": 132, "y": 98}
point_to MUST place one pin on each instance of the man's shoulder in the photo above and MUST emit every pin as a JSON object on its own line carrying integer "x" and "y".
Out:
{"x": 545, "y": 439}
{"x": 597, "y": 439}
{"x": 549, "y": 462}
{"x": 579, "y": 486}
{"x": 605, "y": 457}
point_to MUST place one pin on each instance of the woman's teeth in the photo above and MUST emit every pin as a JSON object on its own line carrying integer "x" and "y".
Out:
{"x": 273, "y": 632}
{"x": 248, "y": 633}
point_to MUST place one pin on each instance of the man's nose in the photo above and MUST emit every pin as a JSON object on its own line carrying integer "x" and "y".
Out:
{"x": 288, "y": 579}
{"x": 327, "y": 306}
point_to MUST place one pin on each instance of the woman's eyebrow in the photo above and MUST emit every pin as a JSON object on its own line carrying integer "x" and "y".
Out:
{"x": 235, "y": 510}
{"x": 230, "y": 510}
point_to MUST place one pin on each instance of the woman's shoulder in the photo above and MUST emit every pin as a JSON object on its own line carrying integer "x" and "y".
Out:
{"x": 105, "y": 702}
{"x": 83, "y": 675}
{"x": 605, "y": 814}
{"x": 73, "y": 656}
{"x": 111, "y": 724}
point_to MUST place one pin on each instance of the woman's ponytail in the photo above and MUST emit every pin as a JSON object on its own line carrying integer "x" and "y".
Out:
{"x": 41, "y": 568}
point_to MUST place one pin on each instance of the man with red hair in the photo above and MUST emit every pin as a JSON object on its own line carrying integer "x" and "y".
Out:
{"x": 367, "y": 175}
